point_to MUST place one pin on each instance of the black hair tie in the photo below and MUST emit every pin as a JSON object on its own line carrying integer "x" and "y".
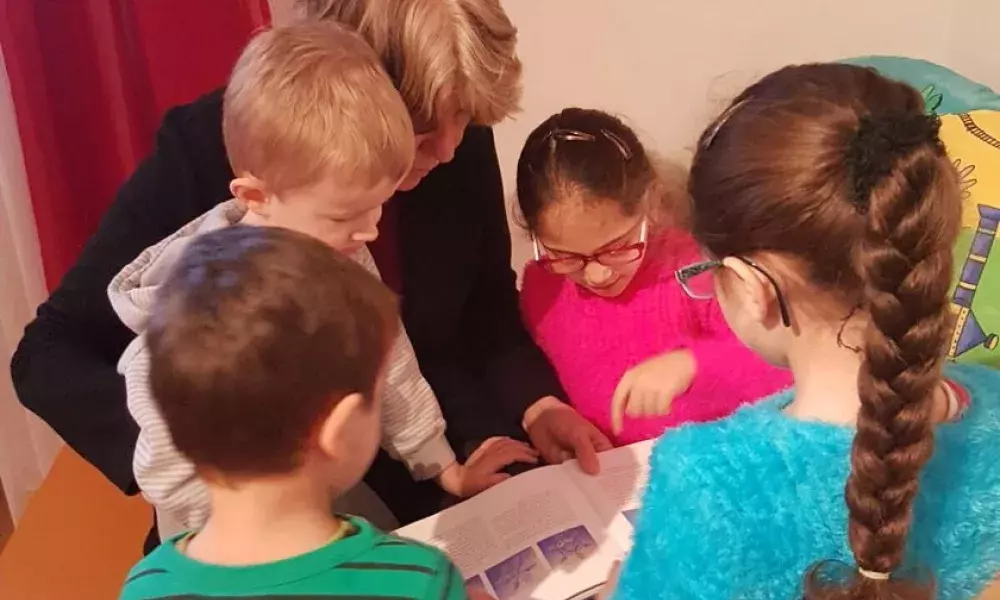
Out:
{"x": 878, "y": 143}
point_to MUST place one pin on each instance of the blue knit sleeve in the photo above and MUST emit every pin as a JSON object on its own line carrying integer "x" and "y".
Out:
{"x": 681, "y": 545}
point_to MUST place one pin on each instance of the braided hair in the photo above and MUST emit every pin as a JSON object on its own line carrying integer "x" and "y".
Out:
{"x": 842, "y": 170}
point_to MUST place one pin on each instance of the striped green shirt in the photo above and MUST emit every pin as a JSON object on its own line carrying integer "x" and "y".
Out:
{"x": 366, "y": 565}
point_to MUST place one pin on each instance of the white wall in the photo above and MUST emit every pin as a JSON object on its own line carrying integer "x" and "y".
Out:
{"x": 974, "y": 40}
{"x": 667, "y": 65}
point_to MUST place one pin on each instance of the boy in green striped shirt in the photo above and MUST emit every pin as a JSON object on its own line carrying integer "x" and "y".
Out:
{"x": 266, "y": 347}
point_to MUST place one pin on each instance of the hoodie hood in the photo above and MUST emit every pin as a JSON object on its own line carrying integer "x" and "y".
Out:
{"x": 133, "y": 290}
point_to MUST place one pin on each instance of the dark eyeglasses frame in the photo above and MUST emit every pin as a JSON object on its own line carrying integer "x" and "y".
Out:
{"x": 685, "y": 273}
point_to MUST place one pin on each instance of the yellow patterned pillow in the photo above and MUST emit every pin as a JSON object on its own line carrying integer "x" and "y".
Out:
{"x": 973, "y": 143}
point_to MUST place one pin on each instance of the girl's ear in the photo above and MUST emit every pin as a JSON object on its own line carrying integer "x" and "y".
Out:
{"x": 754, "y": 292}
{"x": 252, "y": 192}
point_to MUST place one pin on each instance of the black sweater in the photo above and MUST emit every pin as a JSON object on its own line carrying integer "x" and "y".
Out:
{"x": 459, "y": 300}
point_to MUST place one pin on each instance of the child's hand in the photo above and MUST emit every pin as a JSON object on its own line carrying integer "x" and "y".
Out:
{"x": 484, "y": 469}
{"x": 478, "y": 593}
{"x": 649, "y": 388}
{"x": 561, "y": 433}
{"x": 608, "y": 589}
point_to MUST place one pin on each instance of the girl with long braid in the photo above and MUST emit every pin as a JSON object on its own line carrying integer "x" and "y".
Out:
{"x": 827, "y": 210}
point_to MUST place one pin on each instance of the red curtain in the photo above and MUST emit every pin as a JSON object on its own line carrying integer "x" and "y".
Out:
{"x": 91, "y": 80}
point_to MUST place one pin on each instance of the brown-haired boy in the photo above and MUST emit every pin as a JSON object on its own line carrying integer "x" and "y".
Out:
{"x": 266, "y": 350}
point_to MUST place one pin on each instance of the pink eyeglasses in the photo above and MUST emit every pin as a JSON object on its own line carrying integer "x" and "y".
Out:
{"x": 574, "y": 263}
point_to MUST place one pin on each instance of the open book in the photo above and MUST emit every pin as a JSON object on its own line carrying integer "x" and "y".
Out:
{"x": 548, "y": 534}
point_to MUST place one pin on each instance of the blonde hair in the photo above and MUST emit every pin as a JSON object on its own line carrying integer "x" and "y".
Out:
{"x": 434, "y": 50}
{"x": 312, "y": 100}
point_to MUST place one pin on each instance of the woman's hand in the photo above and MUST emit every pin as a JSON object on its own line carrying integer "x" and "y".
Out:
{"x": 484, "y": 469}
{"x": 561, "y": 433}
{"x": 649, "y": 388}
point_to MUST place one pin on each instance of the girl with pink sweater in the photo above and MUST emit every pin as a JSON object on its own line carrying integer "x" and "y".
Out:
{"x": 601, "y": 298}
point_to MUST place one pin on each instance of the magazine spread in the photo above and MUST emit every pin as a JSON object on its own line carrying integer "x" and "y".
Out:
{"x": 552, "y": 533}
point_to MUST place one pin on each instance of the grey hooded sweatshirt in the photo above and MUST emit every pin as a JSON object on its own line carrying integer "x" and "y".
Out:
{"x": 412, "y": 425}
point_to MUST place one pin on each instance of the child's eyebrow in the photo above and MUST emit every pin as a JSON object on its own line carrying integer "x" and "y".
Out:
{"x": 606, "y": 246}
{"x": 617, "y": 240}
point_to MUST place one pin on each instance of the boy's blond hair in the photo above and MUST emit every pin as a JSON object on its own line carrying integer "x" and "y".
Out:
{"x": 312, "y": 100}
{"x": 436, "y": 49}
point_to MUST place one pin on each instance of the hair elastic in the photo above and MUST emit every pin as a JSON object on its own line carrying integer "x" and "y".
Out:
{"x": 873, "y": 575}
{"x": 878, "y": 143}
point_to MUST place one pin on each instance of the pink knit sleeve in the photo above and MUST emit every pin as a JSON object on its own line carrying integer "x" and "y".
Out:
{"x": 728, "y": 369}
{"x": 729, "y": 374}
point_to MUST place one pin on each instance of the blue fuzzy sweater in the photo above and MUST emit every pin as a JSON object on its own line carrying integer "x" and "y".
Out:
{"x": 741, "y": 508}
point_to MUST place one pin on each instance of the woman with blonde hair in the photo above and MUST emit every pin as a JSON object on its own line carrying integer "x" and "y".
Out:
{"x": 444, "y": 247}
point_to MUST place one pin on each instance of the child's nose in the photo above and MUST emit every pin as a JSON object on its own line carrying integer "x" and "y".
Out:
{"x": 370, "y": 232}
{"x": 368, "y": 235}
{"x": 596, "y": 274}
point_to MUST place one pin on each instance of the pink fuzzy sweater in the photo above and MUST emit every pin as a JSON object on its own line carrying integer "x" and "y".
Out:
{"x": 593, "y": 341}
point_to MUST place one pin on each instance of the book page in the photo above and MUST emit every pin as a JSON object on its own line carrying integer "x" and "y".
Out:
{"x": 616, "y": 492}
{"x": 533, "y": 536}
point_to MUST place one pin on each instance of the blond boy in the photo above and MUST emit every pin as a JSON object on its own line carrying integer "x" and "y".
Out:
{"x": 318, "y": 139}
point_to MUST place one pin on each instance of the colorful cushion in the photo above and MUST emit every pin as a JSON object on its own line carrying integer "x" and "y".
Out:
{"x": 970, "y": 129}
{"x": 973, "y": 143}
{"x": 945, "y": 91}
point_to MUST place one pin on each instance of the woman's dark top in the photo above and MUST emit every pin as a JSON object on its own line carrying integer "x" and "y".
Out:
{"x": 447, "y": 252}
